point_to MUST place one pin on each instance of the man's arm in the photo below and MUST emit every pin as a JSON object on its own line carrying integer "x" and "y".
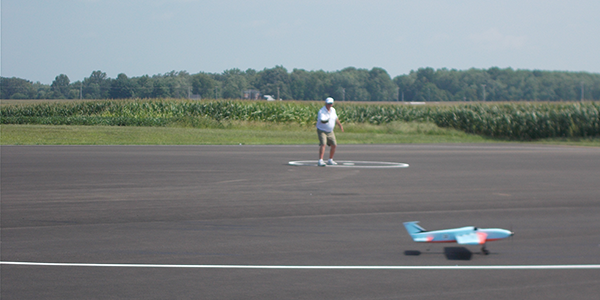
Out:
{"x": 322, "y": 118}
{"x": 337, "y": 121}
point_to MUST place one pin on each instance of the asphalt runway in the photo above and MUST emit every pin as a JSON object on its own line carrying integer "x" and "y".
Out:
{"x": 123, "y": 210}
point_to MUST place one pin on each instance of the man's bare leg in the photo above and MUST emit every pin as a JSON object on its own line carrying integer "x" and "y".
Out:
{"x": 321, "y": 151}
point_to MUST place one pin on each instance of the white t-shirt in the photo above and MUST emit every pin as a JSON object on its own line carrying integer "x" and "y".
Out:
{"x": 326, "y": 115}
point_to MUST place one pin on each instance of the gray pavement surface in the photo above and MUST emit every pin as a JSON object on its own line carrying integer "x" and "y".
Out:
{"x": 244, "y": 205}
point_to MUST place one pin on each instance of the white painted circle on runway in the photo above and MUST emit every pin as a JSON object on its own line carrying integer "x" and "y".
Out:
{"x": 352, "y": 164}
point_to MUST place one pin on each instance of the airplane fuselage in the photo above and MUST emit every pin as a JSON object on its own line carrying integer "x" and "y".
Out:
{"x": 450, "y": 235}
{"x": 468, "y": 235}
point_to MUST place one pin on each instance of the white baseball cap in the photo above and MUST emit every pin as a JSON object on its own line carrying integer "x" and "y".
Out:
{"x": 329, "y": 100}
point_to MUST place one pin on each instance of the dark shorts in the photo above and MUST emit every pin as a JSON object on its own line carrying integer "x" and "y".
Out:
{"x": 326, "y": 138}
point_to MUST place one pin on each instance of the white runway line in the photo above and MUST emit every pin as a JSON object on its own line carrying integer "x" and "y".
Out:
{"x": 496, "y": 267}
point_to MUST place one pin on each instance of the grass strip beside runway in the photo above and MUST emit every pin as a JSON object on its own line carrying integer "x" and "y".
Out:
{"x": 235, "y": 133}
{"x": 247, "y": 133}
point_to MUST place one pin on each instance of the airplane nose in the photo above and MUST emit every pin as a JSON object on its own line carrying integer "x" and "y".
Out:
{"x": 512, "y": 233}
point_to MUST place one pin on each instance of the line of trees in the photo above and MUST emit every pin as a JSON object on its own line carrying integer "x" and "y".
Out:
{"x": 350, "y": 84}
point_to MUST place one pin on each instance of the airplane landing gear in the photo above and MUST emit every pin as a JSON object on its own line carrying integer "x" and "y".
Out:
{"x": 484, "y": 250}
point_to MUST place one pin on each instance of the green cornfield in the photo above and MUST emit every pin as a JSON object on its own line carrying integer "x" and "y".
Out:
{"x": 513, "y": 121}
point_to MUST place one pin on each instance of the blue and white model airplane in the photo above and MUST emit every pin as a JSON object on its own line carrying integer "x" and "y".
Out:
{"x": 465, "y": 235}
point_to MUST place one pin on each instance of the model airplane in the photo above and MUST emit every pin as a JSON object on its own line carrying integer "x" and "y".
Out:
{"x": 465, "y": 235}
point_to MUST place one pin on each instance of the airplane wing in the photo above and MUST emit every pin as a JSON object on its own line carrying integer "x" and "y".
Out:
{"x": 473, "y": 238}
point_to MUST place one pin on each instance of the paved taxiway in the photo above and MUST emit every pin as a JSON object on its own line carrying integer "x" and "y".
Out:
{"x": 244, "y": 205}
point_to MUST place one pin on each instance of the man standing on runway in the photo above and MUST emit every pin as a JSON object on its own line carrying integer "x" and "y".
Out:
{"x": 326, "y": 121}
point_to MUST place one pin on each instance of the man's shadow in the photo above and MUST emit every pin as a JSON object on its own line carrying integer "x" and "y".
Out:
{"x": 451, "y": 253}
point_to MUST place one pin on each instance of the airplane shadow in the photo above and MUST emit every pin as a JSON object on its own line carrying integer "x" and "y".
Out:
{"x": 458, "y": 253}
{"x": 451, "y": 253}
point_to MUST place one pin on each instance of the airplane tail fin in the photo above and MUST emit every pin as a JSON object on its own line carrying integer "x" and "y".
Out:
{"x": 413, "y": 227}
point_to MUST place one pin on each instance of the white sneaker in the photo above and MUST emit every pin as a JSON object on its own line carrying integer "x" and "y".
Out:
{"x": 321, "y": 163}
{"x": 331, "y": 162}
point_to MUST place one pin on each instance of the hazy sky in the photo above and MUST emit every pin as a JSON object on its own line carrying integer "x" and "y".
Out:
{"x": 42, "y": 39}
